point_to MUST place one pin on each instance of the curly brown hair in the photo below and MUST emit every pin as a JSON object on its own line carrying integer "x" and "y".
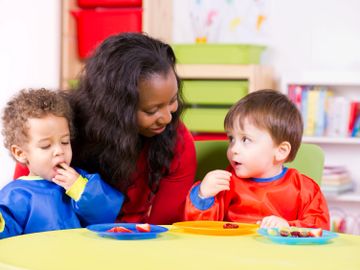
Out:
{"x": 31, "y": 103}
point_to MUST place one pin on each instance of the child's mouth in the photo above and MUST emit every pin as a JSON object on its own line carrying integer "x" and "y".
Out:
{"x": 59, "y": 166}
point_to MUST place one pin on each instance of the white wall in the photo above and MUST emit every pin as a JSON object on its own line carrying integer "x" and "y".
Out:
{"x": 314, "y": 35}
{"x": 300, "y": 35}
{"x": 29, "y": 54}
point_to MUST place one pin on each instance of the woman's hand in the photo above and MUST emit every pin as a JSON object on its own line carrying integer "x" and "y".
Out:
{"x": 66, "y": 176}
{"x": 273, "y": 222}
{"x": 214, "y": 182}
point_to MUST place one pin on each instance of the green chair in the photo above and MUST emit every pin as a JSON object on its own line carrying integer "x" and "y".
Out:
{"x": 211, "y": 155}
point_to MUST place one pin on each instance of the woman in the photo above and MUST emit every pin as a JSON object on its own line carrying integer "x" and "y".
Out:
{"x": 127, "y": 109}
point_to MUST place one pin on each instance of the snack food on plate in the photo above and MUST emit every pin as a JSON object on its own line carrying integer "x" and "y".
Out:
{"x": 295, "y": 232}
{"x": 143, "y": 227}
{"x": 230, "y": 226}
{"x": 119, "y": 229}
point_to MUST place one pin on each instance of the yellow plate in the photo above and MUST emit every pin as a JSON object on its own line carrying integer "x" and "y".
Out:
{"x": 216, "y": 227}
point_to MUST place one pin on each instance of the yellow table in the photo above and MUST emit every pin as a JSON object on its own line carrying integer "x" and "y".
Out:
{"x": 82, "y": 249}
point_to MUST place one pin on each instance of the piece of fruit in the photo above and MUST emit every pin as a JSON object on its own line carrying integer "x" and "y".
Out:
{"x": 230, "y": 226}
{"x": 285, "y": 231}
{"x": 143, "y": 227}
{"x": 272, "y": 232}
{"x": 304, "y": 233}
{"x": 315, "y": 232}
{"x": 119, "y": 229}
{"x": 295, "y": 233}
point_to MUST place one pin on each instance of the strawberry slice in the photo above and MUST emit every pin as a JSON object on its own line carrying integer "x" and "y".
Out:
{"x": 315, "y": 232}
{"x": 119, "y": 229}
{"x": 143, "y": 227}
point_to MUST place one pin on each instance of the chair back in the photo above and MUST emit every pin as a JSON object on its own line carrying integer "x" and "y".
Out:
{"x": 211, "y": 155}
{"x": 309, "y": 161}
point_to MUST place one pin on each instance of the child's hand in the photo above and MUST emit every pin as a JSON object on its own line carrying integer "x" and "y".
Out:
{"x": 66, "y": 176}
{"x": 214, "y": 182}
{"x": 273, "y": 222}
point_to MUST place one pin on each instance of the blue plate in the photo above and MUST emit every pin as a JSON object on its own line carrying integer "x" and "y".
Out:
{"x": 101, "y": 230}
{"x": 325, "y": 238}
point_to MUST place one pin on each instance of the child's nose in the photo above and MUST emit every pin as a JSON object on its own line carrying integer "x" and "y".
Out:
{"x": 58, "y": 150}
{"x": 234, "y": 148}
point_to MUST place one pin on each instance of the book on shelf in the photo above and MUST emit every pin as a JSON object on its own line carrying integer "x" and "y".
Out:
{"x": 325, "y": 114}
{"x": 312, "y": 107}
{"x": 304, "y": 105}
{"x": 337, "y": 190}
{"x": 320, "y": 122}
{"x": 354, "y": 114}
{"x": 356, "y": 128}
{"x": 334, "y": 169}
{"x": 338, "y": 115}
{"x": 336, "y": 180}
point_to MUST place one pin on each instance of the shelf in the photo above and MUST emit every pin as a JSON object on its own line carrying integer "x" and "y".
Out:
{"x": 331, "y": 140}
{"x": 345, "y": 197}
{"x": 259, "y": 77}
{"x": 159, "y": 27}
{"x": 323, "y": 78}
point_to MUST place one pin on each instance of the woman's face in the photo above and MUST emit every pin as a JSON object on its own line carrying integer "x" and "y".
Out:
{"x": 157, "y": 100}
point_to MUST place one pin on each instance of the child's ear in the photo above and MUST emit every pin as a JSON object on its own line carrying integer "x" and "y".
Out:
{"x": 18, "y": 153}
{"x": 283, "y": 151}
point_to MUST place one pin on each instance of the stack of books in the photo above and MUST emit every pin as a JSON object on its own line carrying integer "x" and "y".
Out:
{"x": 336, "y": 180}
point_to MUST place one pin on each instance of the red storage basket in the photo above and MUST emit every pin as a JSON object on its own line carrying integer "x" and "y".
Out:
{"x": 109, "y": 3}
{"x": 95, "y": 25}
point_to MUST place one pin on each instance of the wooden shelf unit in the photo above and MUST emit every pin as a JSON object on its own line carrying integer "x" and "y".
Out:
{"x": 259, "y": 77}
{"x": 159, "y": 26}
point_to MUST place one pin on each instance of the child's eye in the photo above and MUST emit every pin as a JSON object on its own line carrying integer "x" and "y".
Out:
{"x": 230, "y": 138}
{"x": 245, "y": 139}
{"x": 44, "y": 147}
{"x": 65, "y": 142}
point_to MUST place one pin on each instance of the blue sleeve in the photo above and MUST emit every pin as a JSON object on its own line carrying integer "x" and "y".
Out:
{"x": 99, "y": 202}
{"x": 200, "y": 203}
{"x": 14, "y": 210}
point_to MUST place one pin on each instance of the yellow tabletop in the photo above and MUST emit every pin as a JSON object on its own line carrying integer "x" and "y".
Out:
{"x": 83, "y": 249}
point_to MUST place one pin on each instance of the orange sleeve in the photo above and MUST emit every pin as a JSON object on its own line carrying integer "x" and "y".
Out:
{"x": 313, "y": 214}
{"x": 214, "y": 208}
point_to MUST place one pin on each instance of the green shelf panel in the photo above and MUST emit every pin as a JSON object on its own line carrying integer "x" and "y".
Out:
{"x": 216, "y": 92}
{"x": 218, "y": 53}
{"x": 205, "y": 119}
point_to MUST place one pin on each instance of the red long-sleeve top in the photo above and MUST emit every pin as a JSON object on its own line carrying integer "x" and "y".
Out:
{"x": 167, "y": 206}
{"x": 294, "y": 197}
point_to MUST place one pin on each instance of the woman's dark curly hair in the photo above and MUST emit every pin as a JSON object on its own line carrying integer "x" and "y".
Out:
{"x": 105, "y": 103}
